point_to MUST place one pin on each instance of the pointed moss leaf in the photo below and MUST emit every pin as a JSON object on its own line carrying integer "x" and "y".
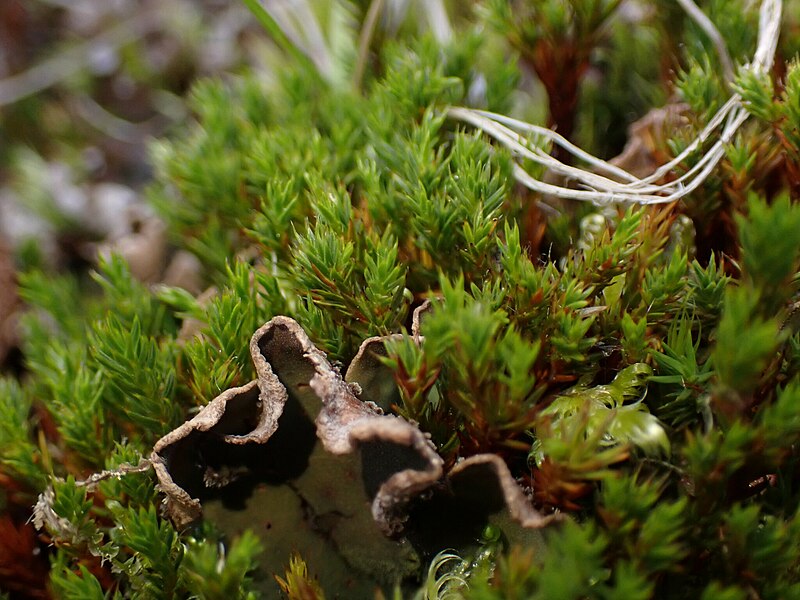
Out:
{"x": 218, "y": 571}
{"x": 634, "y": 338}
{"x": 716, "y": 591}
{"x": 19, "y": 457}
{"x": 745, "y": 341}
{"x": 519, "y": 355}
{"x": 770, "y": 236}
{"x": 757, "y": 92}
{"x": 790, "y": 105}
{"x": 83, "y": 584}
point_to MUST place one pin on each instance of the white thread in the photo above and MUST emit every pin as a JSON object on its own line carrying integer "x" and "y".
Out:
{"x": 602, "y": 190}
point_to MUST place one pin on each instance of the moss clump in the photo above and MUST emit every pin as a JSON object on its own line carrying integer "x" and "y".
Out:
{"x": 636, "y": 368}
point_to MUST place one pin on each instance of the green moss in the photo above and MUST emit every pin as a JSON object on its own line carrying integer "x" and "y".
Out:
{"x": 635, "y": 367}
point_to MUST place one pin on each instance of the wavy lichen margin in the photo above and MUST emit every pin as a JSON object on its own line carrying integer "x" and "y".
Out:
{"x": 301, "y": 405}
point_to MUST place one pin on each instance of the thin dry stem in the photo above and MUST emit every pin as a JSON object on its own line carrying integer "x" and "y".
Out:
{"x": 702, "y": 20}
{"x": 364, "y": 39}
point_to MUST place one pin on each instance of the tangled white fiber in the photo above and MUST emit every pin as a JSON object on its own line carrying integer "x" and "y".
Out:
{"x": 594, "y": 187}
